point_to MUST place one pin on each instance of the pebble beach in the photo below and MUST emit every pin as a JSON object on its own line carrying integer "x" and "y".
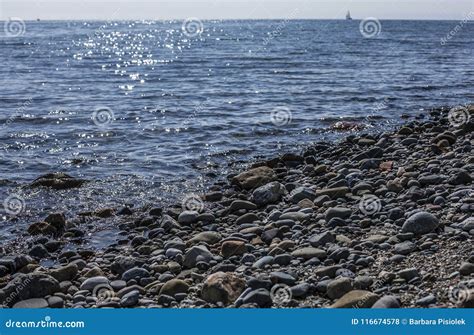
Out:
{"x": 375, "y": 220}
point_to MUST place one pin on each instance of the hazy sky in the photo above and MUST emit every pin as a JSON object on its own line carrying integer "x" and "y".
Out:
{"x": 225, "y": 9}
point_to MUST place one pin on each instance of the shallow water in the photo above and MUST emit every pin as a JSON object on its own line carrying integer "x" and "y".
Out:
{"x": 147, "y": 110}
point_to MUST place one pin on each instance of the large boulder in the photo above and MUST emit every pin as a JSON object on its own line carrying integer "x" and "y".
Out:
{"x": 222, "y": 287}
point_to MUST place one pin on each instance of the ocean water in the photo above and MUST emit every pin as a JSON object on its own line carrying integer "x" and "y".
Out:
{"x": 149, "y": 111}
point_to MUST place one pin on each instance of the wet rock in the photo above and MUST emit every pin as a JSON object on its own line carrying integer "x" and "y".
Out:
{"x": 254, "y": 177}
{"x": 222, "y": 287}
{"x": 57, "y": 181}
{"x": 426, "y": 301}
{"x": 242, "y": 204}
{"x": 404, "y": 248}
{"x": 420, "y": 223}
{"x": 39, "y": 251}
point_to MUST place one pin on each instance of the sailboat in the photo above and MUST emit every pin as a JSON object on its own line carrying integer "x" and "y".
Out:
{"x": 348, "y": 15}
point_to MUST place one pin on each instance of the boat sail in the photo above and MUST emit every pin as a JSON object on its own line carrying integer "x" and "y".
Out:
{"x": 348, "y": 15}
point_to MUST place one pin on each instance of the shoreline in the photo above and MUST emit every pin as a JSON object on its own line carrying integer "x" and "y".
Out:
{"x": 380, "y": 220}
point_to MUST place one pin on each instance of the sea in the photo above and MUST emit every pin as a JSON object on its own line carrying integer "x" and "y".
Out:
{"x": 152, "y": 111}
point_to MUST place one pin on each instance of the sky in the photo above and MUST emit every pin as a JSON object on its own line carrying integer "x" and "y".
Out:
{"x": 234, "y": 9}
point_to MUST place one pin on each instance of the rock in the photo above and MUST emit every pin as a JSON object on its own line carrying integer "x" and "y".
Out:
{"x": 196, "y": 254}
{"x": 32, "y": 303}
{"x": 242, "y": 204}
{"x": 57, "y": 181}
{"x": 247, "y": 218}
{"x": 426, "y": 301}
{"x": 333, "y": 193}
{"x": 301, "y": 290}
{"x": 308, "y": 253}
{"x": 57, "y": 220}
{"x": 268, "y": 193}
{"x": 254, "y": 177}
{"x": 208, "y": 237}
{"x": 404, "y": 248}
{"x": 231, "y": 248}
{"x": 278, "y": 277}
{"x": 461, "y": 178}
{"x": 55, "y": 302}
{"x": 90, "y": 283}
{"x": 135, "y": 273}
{"x": 42, "y": 228}
{"x": 65, "y": 273}
{"x": 28, "y": 286}
{"x": 466, "y": 269}
{"x": 168, "y": 223}
{"x": 468, "y": 224}
{"x": 188, "y": 217}
{"x": 338, "y": 287}
{"x": 408, "y": 274}
{"x": 122, "y": 264}
{"x": 301, "y": 193}
{"x": 174, "y": 286}
{"x": 338, "y": 212}
{"x": 420, "y": 223}
{"x": 261, "y": 297}
{"x": 130, "y": 299}
{"x": 322, "y": 239}
{"x": 222, "y": 287}
{"x": 387, "y": 301}
{"x": 356, "y": 299}
{"x": 265, "y": 260}
{"x": 39, "y": 251}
